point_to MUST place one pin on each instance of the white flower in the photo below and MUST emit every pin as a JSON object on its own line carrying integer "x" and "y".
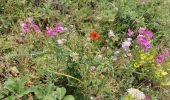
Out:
{"x": 126, "y": 44}
{"x": 111, "y": 33}
{"x": 136, "y": 94}
{"x": 61, "y": 41}
{"x": 75, "y": 56}
{"x": 116, "y": 55}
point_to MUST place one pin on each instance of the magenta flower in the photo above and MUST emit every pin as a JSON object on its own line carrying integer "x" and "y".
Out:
{"x": 29, "y": 24}
{"x": 59, "y": 28}
{"x": 35, "y": 27}
{"x": 126, "y": 44}
{"x": 130, "y": 32}
{"x": 148, "y": 34}
{"x": 166, "y": 53}
{"x": 24, "y": 27}
{"x": 142, "y": 30}
{"x": 30, "y": 20}
{"x": 147, "y": 98}
{"x": 143, "y": 41}
{"x": 51, "y": 32}
{"x": 159, "y": 59}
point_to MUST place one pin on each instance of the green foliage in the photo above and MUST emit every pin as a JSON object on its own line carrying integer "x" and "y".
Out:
{"x": 85, "y": 68}
{"x": 14, "y": 88}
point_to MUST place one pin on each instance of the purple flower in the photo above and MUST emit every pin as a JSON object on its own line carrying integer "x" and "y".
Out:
{"x": 143, "y": 41}
{"x": 24, "y": 27}
{"x": 130, "y": 32}
{"x": 166, "y": 53}
{"x": 159, "y": 59}
{"x": 116, "y": 55}
{"x": 126, "y": 44}
{"x": 30, "y": 20}
{"x": 51, "y": 32}
{"x": 147, "y": 98}
{"x": 35, "y": 27}
{"x": 59, "y": 28}
{"x": 148, "y": 34}
{"x": 27, "y": 24}
{"x": 142, "y": 30}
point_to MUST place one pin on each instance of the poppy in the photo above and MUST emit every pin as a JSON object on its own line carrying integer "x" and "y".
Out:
{"x": 94, "y": 35}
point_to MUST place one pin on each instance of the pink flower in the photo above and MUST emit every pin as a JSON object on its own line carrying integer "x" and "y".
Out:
{"x": 59, "y": 28}
{"x": 142, "y": 30}
{"x": 28, "y": 23}
{"x": 166, "y": 53}
{"x": 130, "y": 32}
{"x": 24, "y": 27}
{"x": 30, "y": 20}
{"x": 147, "y": 98}
{"x": 142, "y": 41}
{"x": 159, "y": 59}
{"x": 35, "y": 27}
{"x": 126, "y": 44}
{"x": 148, "y": 34}
{"x": 51, "y": 32}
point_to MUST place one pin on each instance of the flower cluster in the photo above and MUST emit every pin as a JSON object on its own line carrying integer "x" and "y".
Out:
{"x": 143, "y": 39}
{"x": 160, "y": 58}
{"x": 53, "y": 32}
{"x": 28, "y": 24}
{"x": 136, "y": 94}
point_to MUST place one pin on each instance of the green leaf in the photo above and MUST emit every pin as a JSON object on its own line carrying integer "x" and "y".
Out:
{"x": 39, "y": 92}
{"x": 69, "y": 97}
{"x": 10, "y": 98}
{"x": 61, "y": 92}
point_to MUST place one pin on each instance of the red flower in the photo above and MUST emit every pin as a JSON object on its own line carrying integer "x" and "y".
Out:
{"x": 94, "y": 35}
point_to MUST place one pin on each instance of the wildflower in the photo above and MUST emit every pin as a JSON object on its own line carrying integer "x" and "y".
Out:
{"x": 51, "y": 32}
{"x": 148, "y": 34}
{"x": 92, "y": 69}
{"x": 136, "y": 65}
{"x": 142, "y": 30}
{"x": 59, "y": 28}
{"x": 94, "y": 35}
{"x": 145, "y": 32}
{"x": 166, "y": 83}
{"x": 147, "y": 98}
{"x": 159, "y": 59}
{"x": 126, "y": 44}
{"x": 60, "y": 41}
{"x": 166, "y": 53}
{"x": 28, "y": 23}
{"x": 136, "y": 94}
{"x": 35, "y": 27}
{"x": 116, "y": 55}
{"x": 24, "y": 27}
{"x": 143, "y": 42}
{"x": 111, "y": 33}
{"x": 75, "y": 56}
{"x": 130, "y": 32}
{"x": 143, "y": 56}
{"x": 160, "y": 73}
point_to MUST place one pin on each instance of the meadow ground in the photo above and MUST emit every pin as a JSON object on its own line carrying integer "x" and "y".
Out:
{"x": 84, "y": 50}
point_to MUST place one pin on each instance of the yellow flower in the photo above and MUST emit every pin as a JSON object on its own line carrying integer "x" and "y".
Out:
{"x": 136, "y": 65}
{"x": 166, "y": 83}
{"x": 160, "y": 73}
{"x": 143, "y": 56}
